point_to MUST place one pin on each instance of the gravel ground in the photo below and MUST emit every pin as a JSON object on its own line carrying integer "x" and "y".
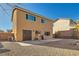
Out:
{"x": 65, "y": 44}
{"x": 58, "y": 48}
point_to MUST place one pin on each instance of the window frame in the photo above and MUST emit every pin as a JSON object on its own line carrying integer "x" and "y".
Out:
{"x": 47, "y": 33}
{"x": 43, "y": 21}
{"x": 29, "y": 16}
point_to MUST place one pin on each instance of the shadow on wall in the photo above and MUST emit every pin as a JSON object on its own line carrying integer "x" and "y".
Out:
{"x": 68, "y": 34}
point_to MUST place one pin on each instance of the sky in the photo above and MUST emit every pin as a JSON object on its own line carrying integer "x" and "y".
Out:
{"x": 49, "y": 10}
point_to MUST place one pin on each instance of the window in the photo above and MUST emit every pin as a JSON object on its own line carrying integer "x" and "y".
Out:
{"x": 37, "y": 32}
{"x": 47, "y": 33}
{"x": 43, "y": 21}
{"x": 30, "y": 17}
{"x": 26, "y": 16}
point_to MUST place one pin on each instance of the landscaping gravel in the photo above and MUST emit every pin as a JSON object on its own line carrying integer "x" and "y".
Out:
{"x": 59, "y": 48}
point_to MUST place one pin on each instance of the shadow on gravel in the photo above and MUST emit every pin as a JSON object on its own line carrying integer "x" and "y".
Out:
{"x": 65, "y": 44}
{"x": 1, "y": 46}
{"x": 2, "y": 49}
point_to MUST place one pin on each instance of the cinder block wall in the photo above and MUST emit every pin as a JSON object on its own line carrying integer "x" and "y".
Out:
{"x": 4, "y": 36}
{"x": 65, "y": 34}
{"x": 76, "y": 34}
{"x": 71, "y": 34}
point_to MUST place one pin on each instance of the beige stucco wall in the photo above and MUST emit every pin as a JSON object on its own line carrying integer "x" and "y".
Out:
{"x": 61, "y": 25}
{"x": 20, "y": 23}
{"x": 14, "y": 23}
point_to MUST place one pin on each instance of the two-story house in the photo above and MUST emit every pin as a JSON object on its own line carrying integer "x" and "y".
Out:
{"x": 30, "y": 26}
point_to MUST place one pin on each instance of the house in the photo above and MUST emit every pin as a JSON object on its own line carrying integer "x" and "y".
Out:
{"x": 64, "y": 27}
{"x": 63, "y": 24}
{"x": 30, "y": 26}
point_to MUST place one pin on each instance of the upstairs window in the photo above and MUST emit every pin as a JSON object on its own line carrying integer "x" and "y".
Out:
{"x": 30, "y": 17}
{"x": 43, "y": 21}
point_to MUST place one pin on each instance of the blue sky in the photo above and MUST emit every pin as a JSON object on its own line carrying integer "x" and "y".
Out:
{"x": 52, "y": 11}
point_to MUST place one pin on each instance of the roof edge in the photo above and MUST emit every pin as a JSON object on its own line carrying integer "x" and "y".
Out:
{"x": 25, "y": 10}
